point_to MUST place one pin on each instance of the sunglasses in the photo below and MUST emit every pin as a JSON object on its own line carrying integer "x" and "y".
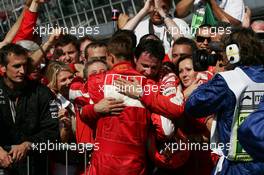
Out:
{"x": 201, "y": 39}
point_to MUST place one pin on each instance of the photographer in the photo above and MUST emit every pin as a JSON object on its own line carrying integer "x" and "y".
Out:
{"x": 226, "y": 96}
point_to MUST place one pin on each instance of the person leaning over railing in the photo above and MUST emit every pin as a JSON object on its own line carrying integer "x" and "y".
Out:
{"x": 25, "y": 115}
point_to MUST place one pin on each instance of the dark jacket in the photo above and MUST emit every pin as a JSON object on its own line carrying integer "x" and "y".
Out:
{"x": 33, "y": 122}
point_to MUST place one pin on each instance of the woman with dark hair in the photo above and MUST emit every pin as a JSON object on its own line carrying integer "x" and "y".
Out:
{"x": 197, "y": 130}
{"x": 186, "y": 130}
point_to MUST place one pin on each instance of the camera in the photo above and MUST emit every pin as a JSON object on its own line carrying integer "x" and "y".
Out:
{"x": 202, "y": 59}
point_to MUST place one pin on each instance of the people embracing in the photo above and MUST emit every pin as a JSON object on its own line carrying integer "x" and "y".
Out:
{"x": 166, "y": 93}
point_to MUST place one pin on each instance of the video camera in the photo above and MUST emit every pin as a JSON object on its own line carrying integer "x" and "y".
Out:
{"x": 202, "y": 59}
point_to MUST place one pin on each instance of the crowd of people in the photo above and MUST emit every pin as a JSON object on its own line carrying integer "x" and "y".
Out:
{"x": 140, "y": 101}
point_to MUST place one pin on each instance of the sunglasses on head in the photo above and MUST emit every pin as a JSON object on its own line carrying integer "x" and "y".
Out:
{"x": 201, "y": 39}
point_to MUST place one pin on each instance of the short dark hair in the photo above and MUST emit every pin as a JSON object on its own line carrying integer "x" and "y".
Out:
{"x": 182, "y": 57}
{"x": 147, "y": 36}
{"x": 250, "y": 48}
{"x": 153, "y": 47}
{"x": 94, "y": 44}
{"x": 185, "y": 41}
{"x": 67, "y": 39}
{"x": 121, "y": 47}
{"x": 166, "y": 68}
{"x": 10, "y": 48}
{"x": 86, "y": 37}
{"x": 129, "y": 34}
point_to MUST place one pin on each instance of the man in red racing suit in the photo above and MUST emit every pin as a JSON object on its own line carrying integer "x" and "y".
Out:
{"x": 122, "y": 138}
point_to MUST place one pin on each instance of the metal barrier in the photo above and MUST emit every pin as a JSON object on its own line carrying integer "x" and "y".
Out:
{"x": 83, "y": 13}
{"x": 49, "y": 168}
{"x": 68, "y": 13}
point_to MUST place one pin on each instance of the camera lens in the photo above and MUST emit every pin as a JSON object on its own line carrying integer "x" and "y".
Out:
{"x": 202, "y": 60}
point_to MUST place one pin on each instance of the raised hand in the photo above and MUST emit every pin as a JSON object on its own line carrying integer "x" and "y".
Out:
{"x": 64, "y": 117}
{"x": 149, "y": 5}
{"x": 187, "y": 92}
{"x": 159, "y": 9}
{"x": 55, "y": 35}
{"x": 122, "y": 20}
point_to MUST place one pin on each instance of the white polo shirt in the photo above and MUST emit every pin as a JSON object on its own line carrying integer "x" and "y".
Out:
{"x": 160, "y": 30}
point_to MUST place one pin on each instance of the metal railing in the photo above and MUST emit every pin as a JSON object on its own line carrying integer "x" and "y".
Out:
{"x": 68, "y": 13}
{"x": 83, "y": 13}
{"x": 51, "y": 162}
{"x": 71, "y": 13}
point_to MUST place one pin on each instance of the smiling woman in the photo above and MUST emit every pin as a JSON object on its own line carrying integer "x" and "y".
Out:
{"x": 60, "y": 77}
{"x": 189, "y": 78}
{"x": 186, "y": 73}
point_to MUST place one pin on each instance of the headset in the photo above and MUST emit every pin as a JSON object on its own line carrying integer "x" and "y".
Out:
{"x": 232, "y": 53}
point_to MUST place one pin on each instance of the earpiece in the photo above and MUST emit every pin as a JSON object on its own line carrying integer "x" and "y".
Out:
{"x": 232, "y": 53}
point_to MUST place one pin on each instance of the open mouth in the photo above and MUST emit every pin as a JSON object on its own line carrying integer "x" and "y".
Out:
{"x": 186, "y": 81}
{"x": 20, "y": 78}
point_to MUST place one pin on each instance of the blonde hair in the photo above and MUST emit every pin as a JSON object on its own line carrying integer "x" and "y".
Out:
{"x": 53, "y": 69}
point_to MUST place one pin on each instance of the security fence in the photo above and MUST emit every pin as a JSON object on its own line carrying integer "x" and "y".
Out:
{"x": 68, "y": 13}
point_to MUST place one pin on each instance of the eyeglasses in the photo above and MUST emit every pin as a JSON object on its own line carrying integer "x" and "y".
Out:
{"x": 201, "y": 39}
